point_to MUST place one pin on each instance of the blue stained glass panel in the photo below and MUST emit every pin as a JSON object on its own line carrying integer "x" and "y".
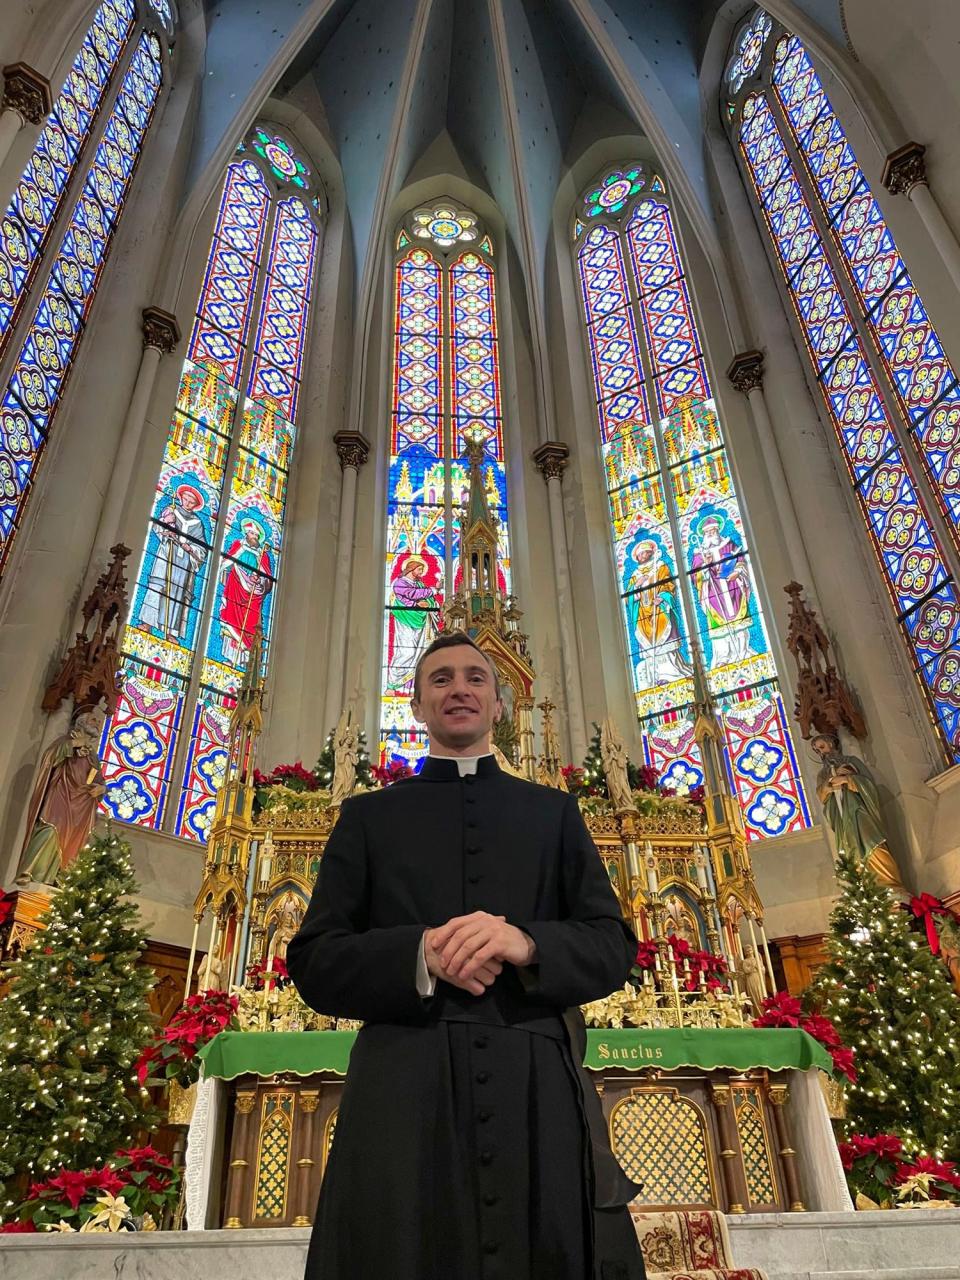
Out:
{"x": 29, "y": 218}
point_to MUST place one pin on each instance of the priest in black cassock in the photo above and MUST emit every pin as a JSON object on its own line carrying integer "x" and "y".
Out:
{"x": 465, "y": 914}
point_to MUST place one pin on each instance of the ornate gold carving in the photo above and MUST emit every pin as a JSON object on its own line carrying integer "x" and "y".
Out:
{"x": 301, "y": 1221}
{"x": 309, "y": 1100}
{"x": 746, "y": 371}
{"x": 905, "y": 169}
{"x": 181, "y": 1102}
{"x": 305, "y": 1163}
{"x": 719, "y": 1094}
{"x": 27, "y": 92}
{"x": 244, "y": 1103}
{"x": 779, "y": 1093}
{"x": 239, "y": 1164}
{"x": 551, "y": 459}
{"x": 353, "y": 449}
{"x": 233, "y": 1224}
{"x": 88, "y": 672}
{"x": 160, "y": 329}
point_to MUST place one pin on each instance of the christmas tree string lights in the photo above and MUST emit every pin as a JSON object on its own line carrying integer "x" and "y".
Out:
{"x": 892, "y": 1001}
{"x": 73, "y": 1023}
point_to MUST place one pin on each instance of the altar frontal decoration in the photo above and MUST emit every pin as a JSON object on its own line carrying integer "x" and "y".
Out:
{"x": 73, "y": 1022}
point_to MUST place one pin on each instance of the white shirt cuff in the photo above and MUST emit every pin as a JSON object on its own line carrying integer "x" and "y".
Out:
{"x": 426, "y": 982}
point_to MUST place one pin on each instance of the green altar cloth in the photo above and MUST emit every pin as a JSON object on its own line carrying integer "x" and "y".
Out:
{"x": 301, "y": 1053}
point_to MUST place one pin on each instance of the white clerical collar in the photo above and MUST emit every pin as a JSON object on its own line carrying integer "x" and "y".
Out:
{"x": 465, "y": 764}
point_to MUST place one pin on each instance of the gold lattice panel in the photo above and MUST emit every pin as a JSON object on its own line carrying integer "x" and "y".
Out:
{"x": 273, "y": 1157}
{"x": 757, "y": 1161}
{"x": 660, "y": 1140}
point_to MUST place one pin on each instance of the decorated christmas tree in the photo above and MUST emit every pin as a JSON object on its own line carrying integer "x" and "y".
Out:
{"x": 593, "y": 779}
{"x": 73, "y": 1023}
{"x": 892, "y": 1002}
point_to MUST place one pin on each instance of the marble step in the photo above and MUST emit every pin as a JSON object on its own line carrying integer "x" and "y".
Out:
{"x": 898, "y": 1245}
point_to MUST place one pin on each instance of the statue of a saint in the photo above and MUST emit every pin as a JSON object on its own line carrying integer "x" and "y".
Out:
{"x": 614, "y": 756}
{"x": 210, "y": 977}
{"x": 750, "y": 973}
{"x": 851, "y": 805}
{"x": 289, "y": 915}
{"x": 346, "y": 753}
{"x": 63, "y": 806}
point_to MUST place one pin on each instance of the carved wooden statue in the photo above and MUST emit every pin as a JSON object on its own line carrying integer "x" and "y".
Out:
{"x": 88, "y": 673}
{"x": 824, "y": 703}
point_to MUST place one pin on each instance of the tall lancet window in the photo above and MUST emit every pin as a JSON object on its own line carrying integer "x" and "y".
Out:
{"x": 58, "y": 228}
{"x": 208, "y": 575}
{"x": 693, "y": 620}
{"x": 445, "y": 389}
{"x": 888, "y": 387}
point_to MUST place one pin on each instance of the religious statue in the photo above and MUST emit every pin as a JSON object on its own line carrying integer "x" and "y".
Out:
{"x": 210, "y": 977}
{"x": 851, "y": 805}
{"x": 63, "y": 806}
{"x": 750, "y": 973}
{"x": 289, "y": 914}
{"x": 614, "y": 756}
{"x": 171, "y": 583}
{"x": 247, "y": 581}
{"x": 346, "y": 753}
{"x": 654, "y": 614}
{"x": 722, "y": 582}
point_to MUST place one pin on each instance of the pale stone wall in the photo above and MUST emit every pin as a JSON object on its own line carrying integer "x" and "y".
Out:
{"x": 158, "y": 259}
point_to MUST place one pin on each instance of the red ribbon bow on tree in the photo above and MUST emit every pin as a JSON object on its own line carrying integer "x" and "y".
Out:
{"x": 925, "y": 907}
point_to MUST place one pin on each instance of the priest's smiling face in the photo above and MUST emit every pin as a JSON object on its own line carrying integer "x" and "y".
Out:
{"x": 457, "y": 700}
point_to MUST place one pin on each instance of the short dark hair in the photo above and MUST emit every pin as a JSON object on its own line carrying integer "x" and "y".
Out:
{"x": 447, "y": 640}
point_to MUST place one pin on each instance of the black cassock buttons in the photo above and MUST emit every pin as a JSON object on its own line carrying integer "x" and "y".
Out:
{"x": 486, "y": 1156}
{"x": 490, "y": 1246}
{"x": 490, "y": 1199}
{"x": 482, "y": 1077}
{"x": 481, "y": 1042}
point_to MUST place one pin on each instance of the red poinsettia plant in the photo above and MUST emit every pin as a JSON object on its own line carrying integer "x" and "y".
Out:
{"x": 256, "y": 978}
{"x": 785, "y": 1010}
{"x": 173, "y": 1051}
{"x": 877, "y": 1169}
{"x": 141, "y": 1177}
{"x": 295, "y": 776}
{"x": 393, "y": 771}
{"x": 687, "y": 961}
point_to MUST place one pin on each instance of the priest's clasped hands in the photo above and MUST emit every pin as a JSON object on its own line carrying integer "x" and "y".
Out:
{"x": 470, "y": 951}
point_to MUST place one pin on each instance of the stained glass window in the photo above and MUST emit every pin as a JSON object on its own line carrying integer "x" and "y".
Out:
{"x": 445, "y": 389}
{"x": 687, "y": 585}
{"x": 32, "y": 212}
{"x": 888, "y": 387}
{"x": 208, "y": 575}
{"x": 32, "y": 394}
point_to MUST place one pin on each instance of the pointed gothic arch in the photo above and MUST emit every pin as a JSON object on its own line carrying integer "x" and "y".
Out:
{"x": 889, "y": 388}
{"x": 211, "y": 560}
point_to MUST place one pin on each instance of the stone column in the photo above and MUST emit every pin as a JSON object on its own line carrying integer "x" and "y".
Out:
{"x": 353, "y": 449}
{"x": 905, "y": 174}
{"x": 551, "y": 459}
{"x": 26, "y": 100}
{"x": 746, "y": 374}
{"x": 161, "y": 333}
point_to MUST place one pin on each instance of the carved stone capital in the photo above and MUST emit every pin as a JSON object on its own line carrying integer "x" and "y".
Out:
{"x": 160, "y": 329}
{"x": 746, "y": 371}
{"x": 26, "y": 91}
{"x": 244, "y": 1102}
{"x": 551, "y": 459}
{"x": 904, "y": 169}
{"x": 353, "y": 449}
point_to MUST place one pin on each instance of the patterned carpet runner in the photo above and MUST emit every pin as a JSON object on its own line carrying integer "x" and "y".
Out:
{"x": 688, "y": 1246}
